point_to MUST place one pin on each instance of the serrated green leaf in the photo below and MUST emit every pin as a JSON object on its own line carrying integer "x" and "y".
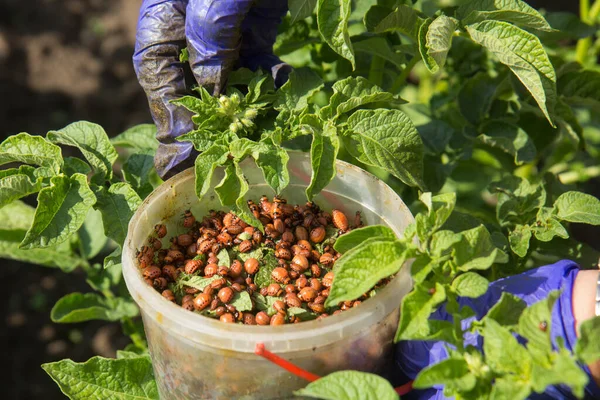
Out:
{"x": 323, "y": 155}
{"x": 265, "y": 303}
{"x": 137, "y": 171}
{"x": 267, "y": 264}
{"x": 14, "y": 187}
{"x": 205, "y": 166}
{"x": 578, "y": 207}
{"x": 229, "y": 188}
{"x": 261, "y": 89}
{"x": 223, "y": 257}
{"x": 547, "y": 226}
{"x": 355, "y": 237}
{"x": 117, "y": 205}
{"x": 507, "y": 310}
{"x": 140, "y": 137}
{"x": 519, "y": 199}
{"x": 452, "y": 373}
{"x": 415, "y": 310}
{"x": 201, "y": 138}
{"x": 523, "y": 53}
{"x": 580, "y": 88}
{"x": 442, "y": 242}
{"x": 198, "y": 282}
{"x": 92, "y": 141}
{"x": 503, "y": 353}
{"x": 387, "y": 139}
{"x": 62, "y": 208}
{"x": 519, "y": 240}
{"x": 359, "y": 269}
{"x": 476, "y": 96}
{"x": 587, "y": 347}
{"x": 76, "y": 166}
{"x": 476, "y": 250}
{"x": 91, "y": 235}
{"x": 470, "y": 284}
{"x": 562, "y": 370}
{"x": 535, "y": 326}
{"x": 350, "y": 385}
{"x": 403, "y": 19}
{"x": 203, "y": 107}
{"x": 435, "y": 40}
{"x": 294, "y": 94}
{"x": 30, "y": 149}
{"x": 273, "y": 164}
{"x": 79, "y": 307}
{"x": 332, "y": 19}
{"x": 104, "y": 378}
{"x": 514, "y": 11}
{"x": 354, "y": 92}
{"x": 242, "y": 302}
{"x": 510, "y": 139}
{"x": 435, "y": 135}
{"x": 301, "y": 9}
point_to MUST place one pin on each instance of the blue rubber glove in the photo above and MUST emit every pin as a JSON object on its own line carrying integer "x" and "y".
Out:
{"x": 220, "y": 35}
{"x": 531, "y": 286}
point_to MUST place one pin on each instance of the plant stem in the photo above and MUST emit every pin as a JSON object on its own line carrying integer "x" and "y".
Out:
{"x": 399, "y": 82}
{"x": 376, "y": 70}
{"x": 593, "y": 13}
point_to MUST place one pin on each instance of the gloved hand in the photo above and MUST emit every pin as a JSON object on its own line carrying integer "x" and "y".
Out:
{"x": 220, "y": 35}
{"x": 531, "y": 286}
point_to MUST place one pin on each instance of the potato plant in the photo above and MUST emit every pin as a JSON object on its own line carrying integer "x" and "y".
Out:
{"x": 481, "y": 114}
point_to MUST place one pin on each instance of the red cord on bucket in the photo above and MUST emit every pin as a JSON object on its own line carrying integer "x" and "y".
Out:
{"x": 260, "y": 350}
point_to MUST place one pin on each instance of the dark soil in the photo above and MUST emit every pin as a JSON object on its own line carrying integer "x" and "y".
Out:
{"x": 63, "y": 61}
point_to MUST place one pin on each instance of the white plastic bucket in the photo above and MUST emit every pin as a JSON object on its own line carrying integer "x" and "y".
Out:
{"x": 195, "y": 357}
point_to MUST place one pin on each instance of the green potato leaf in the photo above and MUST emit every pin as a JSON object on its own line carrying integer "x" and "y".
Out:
{"x": 470, "y": 284}
{"x": 503, "y": 353}
{"x": 518, "y": 201}
{"x": 350, "y": 385}
{"x": 453, "y": 373}
{"x": 92, "y": 141}
{"x": 273, "y": 164}
{"x": 477, "y": 251}
{"x": 403, "y": 19}
{"x": 205, "y": 166}
{"x": 535, "y": 326}
{"x": 435, "y": 41}
{"x": 510, "y": 139}
{"x": 578, "y": 207}
{"x": 523, "y": 53}
{"x": 295, "y": 93}
{"x": 323, "y": 155}
{"x": 515, "y": 11}
{"x": 91, "y": 235}
{"x": 30, "y": 149}
{"x": 301, "y": 9}
{"x": 587, "y": 347}
{"x": 137, "y": 171}
{"x": 519, "y": 239}
{"x": 14, "y": 187}
{"x": 548, "y": 226}
{"x": 507, "y": 310}
{"x": 141, "y": 138}
{"x": 387, "y": 139}
{"x": 355, "y": 237}
{"x": 477, "y": 95}
{"x": 242, "y": 301}
{"x": 563, "y": 369}
{"x": 359, "y": 269}
{"x": 416, "y": 308}
{"x": 62, "y": 209}
{"x": 380, "y": 47}
{"x": 117, "y": 205}
{"x": 332, "y": 19}
{"x": 354, "y": 92}
{"x": 104, "y": 378}
{"x": 79, "y": 307}
{"x": 76, "y": 166}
